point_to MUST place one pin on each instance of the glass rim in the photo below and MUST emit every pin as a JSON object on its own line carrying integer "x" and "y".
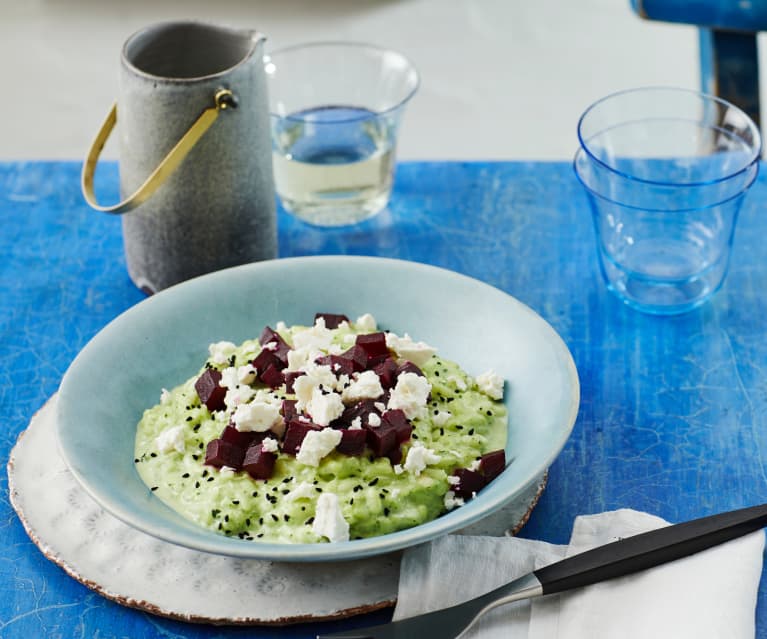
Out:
{"x": 350, "y": 44}
{"x": 633, "y": 207}
{"x": 754, "y": 156}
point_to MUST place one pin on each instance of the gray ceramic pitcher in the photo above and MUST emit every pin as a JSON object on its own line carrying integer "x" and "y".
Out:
{"x": 194, "y": 155}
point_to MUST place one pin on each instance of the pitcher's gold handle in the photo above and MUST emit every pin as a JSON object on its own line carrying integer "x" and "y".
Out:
{"x": 223, "y": 99}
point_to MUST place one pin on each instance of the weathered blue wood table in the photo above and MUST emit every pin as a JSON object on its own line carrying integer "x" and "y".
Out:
{"x": 673, "y": 416}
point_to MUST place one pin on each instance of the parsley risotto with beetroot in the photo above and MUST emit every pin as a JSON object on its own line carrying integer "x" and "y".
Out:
{"x": 328, "y": 432}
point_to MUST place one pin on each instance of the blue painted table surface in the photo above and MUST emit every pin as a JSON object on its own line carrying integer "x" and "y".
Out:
{"x": 673, "y": 416}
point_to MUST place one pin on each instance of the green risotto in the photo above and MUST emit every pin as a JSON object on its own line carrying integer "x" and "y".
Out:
{"x": 318, "y": 433}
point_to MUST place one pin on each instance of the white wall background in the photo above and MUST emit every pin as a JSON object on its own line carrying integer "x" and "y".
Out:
{"x": 500, "y": 78}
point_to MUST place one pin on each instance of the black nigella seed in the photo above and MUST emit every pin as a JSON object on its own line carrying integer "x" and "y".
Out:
{"x": 274, "y": 489}
{"x": 459, "y": 427}
{"x": 287, "y": 480}
{"x": 318, "y": 489}
{"x": 185, "y": 475}
{"x": 226, "y": 518}
{"x": 285, "y": 491}
{"x": 153, "y": 454}
{"x": 260, "y": 521}
{"x": 189, "y": 419}
{"x": 286, "y": 517}
{"x": 200, "y": 445}
{"x": 196, "y": 457}
{"x": 236, "y": 502}
{"x": 196, "y": 427}
{"x": 196, "y": 484}
{"x": 489, "y": 413}
{"x": 309, "y": 521}
{"x": 436, "y": 373}
{"x": 351, "y": 501}
{"x": 275, "y": 517}
{"x": 211, "y": 478}
{"x": 247, "y": 521}
{"x": 153, "y": 488}
{"x": 381, "y": 496}
{"x": 357, "y": 487}
{"x": 220, "y": 526}
{"x": 254, "y": 493}
{"x": 259, "y": 535}
{"x": 414, "y": 435}
{"x": 205, "y": 473}
{"x": 436, "y": 411}
{"x": 386, "y": 512}
{"x": 471, "y": 432}
{"x": 136, "y": 461}
{"x": 373, "y": 482}
{"x": 215, "y": 512}
{"x": 441, "y": 432}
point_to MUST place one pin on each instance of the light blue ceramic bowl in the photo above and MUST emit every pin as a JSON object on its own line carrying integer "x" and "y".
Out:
{"x": 162, "y": 341}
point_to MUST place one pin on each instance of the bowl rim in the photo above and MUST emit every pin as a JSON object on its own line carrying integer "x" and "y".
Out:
{"x": 209, "y": 541}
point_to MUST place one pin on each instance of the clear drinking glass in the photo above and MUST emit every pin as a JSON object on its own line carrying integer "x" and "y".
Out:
{"x": 666, "y": 171}
{"x": 336, "y": 110}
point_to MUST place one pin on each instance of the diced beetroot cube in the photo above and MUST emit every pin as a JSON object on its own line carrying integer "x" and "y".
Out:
{"x": 358, "y": 357}
{"x": 221, "y": 453}
{"x": 331, "y": 319}
{"x": 409, "y": 367}
{"x": 264, "y": 360}
{"x": 289, "y": 410}
{"x": 352, "y": 441}
{"x": 387, "y": 372}
{"x": 272, "y": 377}
{"x": 290, "y": 377}
{"x": 381, "y": 439}
{"x": 361, "y": 409}
{"x": 395, "y": 455}
{"x": 492, "y": 464}
{"x": 338, "y": 364}
{"x": 469, "y": 482}
{"x": 242, "y": 439}
{"x": 269, "y": 336}
{"x": 294, "y": 435}
{"x": 209, "y": 391}
{"x": 375, "y": 347}
{"x": 396, "y": 418}
{"x": 259, "y": 463}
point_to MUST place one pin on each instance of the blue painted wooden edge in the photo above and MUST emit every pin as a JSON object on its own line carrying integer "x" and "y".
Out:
{"x": 715, "y": 14}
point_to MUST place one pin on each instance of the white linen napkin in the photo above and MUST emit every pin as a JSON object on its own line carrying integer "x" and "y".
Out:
{"x": 708, "y": 595}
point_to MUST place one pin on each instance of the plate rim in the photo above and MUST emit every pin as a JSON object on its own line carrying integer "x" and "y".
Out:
{"x": 208, "y": 541}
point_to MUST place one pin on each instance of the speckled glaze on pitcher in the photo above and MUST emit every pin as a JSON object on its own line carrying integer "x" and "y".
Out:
{"x": 216, "y": 207}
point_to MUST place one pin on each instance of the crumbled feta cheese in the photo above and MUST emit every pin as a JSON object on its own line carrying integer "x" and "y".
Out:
{"x": 304, "y": 490}
{"x": 366, "y": 385}
{"x": 410, "y": 394}
{"x": 240, "y": 394}
{"x": 380, "y": 407}
{"x": 227, "y": 471}
{"x": 336, "y": 349}
{"x": 281, "y": 327}
{"x": 418, "y": 457}
{"x": 317, "y": 444}
{"x": 417, "y": 352}
{"x": 220, "y": 352}
{"x": 256, "y": 416}
{"x": 457, "y": 381}
{"x": 324, "y": 407}
{"x": 356, "y": 424}
{"x": 349, "y": 339}
{"x": 398, "y": 470}
{"x": 491, "y": 384}
{"x": 246, "y": 374}
{"x": 229, "y": 378}
{"x": 374, "y": 420}
{"x": 269, "y": 445}
{"x": 451, "y": 501}
{"x": 329, "y": 520}
{"x": 318, "y": 337}
{"x": 475, "y": 465}
{"x": 271, "y": 346}
{"x": 441, "y": 418}
{"x": 164, "y": 396}
{"x": 366, "y": 323}
{"x": 453, "y": 480}
{"x": 316, "y": 376}
{"x": 171, "y": 439}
